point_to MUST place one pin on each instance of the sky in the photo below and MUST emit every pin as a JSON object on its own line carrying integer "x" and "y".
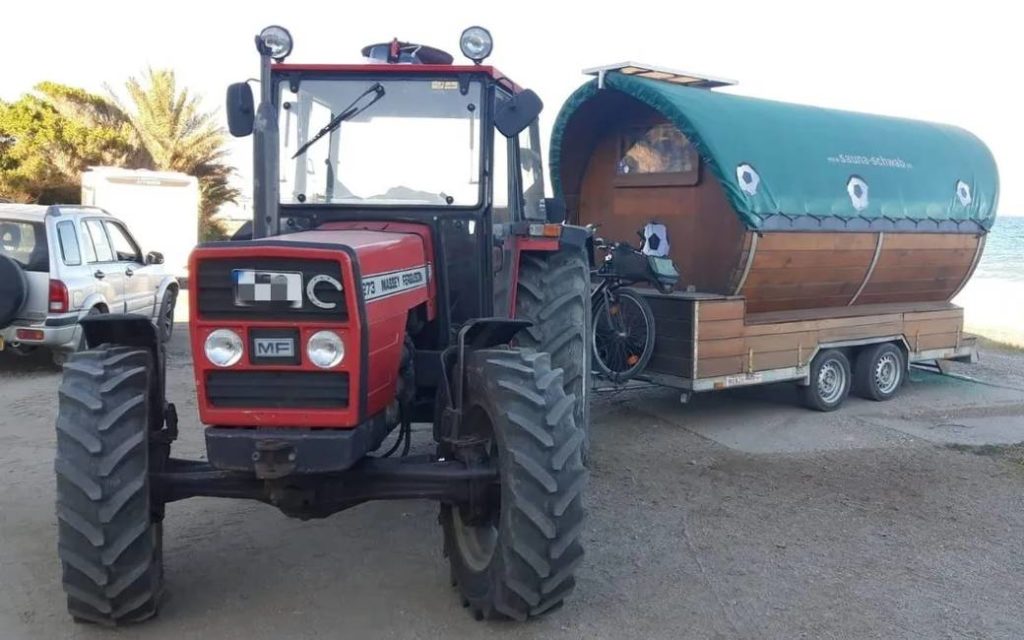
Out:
{"x": 939, "y": 61}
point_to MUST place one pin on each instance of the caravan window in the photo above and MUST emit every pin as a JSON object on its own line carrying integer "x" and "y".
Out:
{"x": 656, "y": 155}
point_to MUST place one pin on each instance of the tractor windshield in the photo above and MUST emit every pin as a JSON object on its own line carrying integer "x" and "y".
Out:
{"x": 412, "y": 142}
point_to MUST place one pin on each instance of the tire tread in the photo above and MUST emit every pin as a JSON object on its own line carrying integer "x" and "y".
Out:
{"x": 108, "y": 542}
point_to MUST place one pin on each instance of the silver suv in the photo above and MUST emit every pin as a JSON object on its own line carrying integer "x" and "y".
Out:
{"x": 60, "y": 263}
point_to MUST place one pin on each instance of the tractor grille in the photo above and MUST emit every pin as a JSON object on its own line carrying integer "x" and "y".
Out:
{"x": 215, "y": 283}
{"x": 277, "y": 389}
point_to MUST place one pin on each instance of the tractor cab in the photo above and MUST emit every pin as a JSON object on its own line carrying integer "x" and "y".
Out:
{"x": 406, "y": 136}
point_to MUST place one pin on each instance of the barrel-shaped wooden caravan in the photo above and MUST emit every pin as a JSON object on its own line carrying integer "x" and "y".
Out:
{"x": 793, "y": 227}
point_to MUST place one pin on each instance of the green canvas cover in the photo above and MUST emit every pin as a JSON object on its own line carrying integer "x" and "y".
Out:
{"x": 779, "y": 161}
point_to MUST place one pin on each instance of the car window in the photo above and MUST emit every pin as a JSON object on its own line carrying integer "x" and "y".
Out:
{"x": 100, "y": 244}
{"x": 68, "y": 240}
{"x": 85, "y": 242}
{"x": 25, "y": 243}
{"x": 124, "y": 245}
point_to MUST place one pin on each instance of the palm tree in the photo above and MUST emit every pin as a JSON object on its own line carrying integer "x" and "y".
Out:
{"x": 160, "y": 127}
{"x": 179, "y": 136}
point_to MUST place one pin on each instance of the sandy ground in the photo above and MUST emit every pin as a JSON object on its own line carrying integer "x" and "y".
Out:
{"x": 739, "y": 515}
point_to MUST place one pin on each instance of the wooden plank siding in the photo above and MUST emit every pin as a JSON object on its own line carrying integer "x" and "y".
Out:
{"x": 812, "y": 270}
{"x": 728, "y": 341}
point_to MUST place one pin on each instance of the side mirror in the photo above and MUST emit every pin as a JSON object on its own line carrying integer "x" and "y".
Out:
{"x": 240, "y": 109}
{"x": 512, "y": 116}
{"x": 154, "y": 257}
{"x": 554, "y": 210}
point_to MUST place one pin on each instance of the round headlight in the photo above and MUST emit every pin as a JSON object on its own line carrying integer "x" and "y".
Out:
{"x": 276, "y": 42}
{"x": 325, "y": 349}
{"x": 476, "y": 43}
{"x": 223, "y": 347}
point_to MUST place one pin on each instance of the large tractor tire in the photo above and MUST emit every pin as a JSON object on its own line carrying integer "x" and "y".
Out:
{"x": 553, "y": 292}
{"x": 109, "y": 542}
{"x": 515, "y": 556}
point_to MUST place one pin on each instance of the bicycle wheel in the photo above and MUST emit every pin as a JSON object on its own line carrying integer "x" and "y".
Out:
{"x": 623, "y": 339}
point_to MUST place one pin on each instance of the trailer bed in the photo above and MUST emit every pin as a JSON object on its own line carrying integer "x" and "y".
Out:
{"x": 707, "y": 342}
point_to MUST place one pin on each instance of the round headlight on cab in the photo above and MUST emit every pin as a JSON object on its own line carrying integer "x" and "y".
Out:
{"x": 325, "y": 349}
{"x": 275, "y": 42}
{"x": 223, "y": 348}
{"x": 476, "y": 44}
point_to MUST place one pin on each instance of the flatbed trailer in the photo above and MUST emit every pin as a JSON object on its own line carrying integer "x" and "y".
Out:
{"x": 707, "y": 342}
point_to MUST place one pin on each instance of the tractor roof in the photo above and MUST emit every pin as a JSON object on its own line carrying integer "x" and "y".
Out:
{"x": 403, "y": 69}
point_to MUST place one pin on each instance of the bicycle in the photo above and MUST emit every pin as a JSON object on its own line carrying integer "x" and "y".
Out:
{"x": 623, "y": 322}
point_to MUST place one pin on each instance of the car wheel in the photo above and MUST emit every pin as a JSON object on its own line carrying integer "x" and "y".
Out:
{"x": 165, "y": 321}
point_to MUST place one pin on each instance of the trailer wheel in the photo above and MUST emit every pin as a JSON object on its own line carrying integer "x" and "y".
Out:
{"x": 109, "y": 542}
{"x": 830, "y": 381}
{"x": 515, "y": 556}
{"x": 553, "y": 292}
{"x": 879, "y": 371}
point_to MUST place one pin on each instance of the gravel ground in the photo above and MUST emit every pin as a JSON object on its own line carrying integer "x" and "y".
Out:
{"x": 739, "y": 515}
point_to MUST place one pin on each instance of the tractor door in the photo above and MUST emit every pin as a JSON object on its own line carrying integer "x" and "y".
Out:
{"x": 503, "y": 212}
{"x": 519, "y": 188}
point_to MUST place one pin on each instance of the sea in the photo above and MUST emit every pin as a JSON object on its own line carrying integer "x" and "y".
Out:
{"x": 993, "y": 300}
{"x": 1003, "y": 256}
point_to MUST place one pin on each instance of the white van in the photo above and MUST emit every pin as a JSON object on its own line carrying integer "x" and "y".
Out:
{"x": 60, "y": 263}
{"x": 161, "y": 207}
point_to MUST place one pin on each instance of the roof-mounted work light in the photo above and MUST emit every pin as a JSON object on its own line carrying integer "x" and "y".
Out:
{"x": 476, "y": 44}
{"x": 274, "y": 41}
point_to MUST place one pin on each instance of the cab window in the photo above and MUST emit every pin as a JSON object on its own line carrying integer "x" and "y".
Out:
{"x": 502, "y": 211}
{"x": 531, "y": 168}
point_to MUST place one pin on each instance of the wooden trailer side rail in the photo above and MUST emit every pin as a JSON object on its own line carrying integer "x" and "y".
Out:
{"x": 708, "y": 342}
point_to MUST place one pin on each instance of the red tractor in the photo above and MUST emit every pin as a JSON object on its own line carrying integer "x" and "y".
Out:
{"x": 402, "y": 266}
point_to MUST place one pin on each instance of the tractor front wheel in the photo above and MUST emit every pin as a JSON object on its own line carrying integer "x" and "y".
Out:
{"x": 109, "y": 539}
{"x": 515, "y": 554}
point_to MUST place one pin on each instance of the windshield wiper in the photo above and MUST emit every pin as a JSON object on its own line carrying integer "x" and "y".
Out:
{"x": 350, "y": 111}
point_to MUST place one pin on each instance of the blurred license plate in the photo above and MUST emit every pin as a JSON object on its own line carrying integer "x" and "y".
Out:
{"x": 253, "y": 287}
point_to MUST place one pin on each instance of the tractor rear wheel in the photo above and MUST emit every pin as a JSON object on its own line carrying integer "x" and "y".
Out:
{"x": 515, "y": 555}
{"x": 553, "y": 292}
{"x": 109, "y": 540}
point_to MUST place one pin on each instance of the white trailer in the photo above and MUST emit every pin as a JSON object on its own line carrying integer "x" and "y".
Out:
{"x": 160, "y": 207}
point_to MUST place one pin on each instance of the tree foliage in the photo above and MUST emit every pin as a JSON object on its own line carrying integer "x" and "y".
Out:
{"x": 43, "y": 151}
{"x": 50, "y": 136}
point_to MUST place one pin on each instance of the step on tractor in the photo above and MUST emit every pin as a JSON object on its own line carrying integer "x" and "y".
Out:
{"x": 402, "y": 266}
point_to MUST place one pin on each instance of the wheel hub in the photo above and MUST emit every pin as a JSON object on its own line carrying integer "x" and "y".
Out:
{"x": 476, "y": 542}
{"x": 831, "y": 380}
{"x": 887, "y": 373}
